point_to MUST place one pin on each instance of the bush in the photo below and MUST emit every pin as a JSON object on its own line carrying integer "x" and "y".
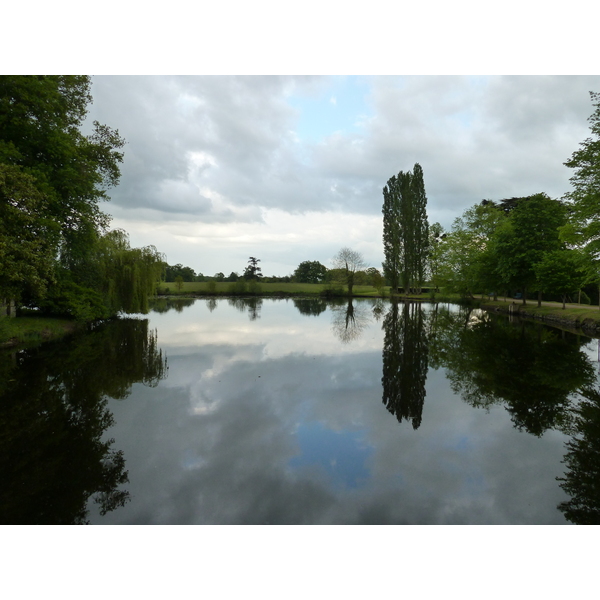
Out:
{"x": 333, "y": 290}
{"x": 238, "y": 288}
{"x": 67, "y": 299}
{"x": 254, "y": 287}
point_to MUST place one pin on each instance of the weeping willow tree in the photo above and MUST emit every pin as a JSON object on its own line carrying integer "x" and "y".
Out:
{"x": 128, "y": 276}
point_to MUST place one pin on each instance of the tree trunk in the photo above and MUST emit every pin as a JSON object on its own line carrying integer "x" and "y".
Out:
{"x": 539, "y": 299}
{"x": 564, "y": 300}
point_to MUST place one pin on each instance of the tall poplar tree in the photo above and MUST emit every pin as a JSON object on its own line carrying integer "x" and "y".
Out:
{"x": 405, "y": 229}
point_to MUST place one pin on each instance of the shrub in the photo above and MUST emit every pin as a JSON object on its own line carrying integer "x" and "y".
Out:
{"x": 238, "y": 288}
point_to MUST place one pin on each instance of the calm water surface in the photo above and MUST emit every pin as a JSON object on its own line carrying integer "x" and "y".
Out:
{"x": 301, "y": 411}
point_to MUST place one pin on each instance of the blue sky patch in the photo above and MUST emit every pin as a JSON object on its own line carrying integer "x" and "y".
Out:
{"x": 339, "y": 106}
{"x": 341, "y": 454}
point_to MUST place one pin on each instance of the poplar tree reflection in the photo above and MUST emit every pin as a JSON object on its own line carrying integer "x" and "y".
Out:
{"x": 582, "y": 481}
{"x": 53, "y": 417}
{"x": 405, "y": 361}
{"x": 532, "y": 368}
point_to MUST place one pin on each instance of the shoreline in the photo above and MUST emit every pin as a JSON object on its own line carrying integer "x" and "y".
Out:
{"x": 549, "y": 313}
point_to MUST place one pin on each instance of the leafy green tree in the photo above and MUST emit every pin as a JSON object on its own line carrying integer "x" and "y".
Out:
{"x": 40, "y": 120}
{"x": 348, "y": 261}
{"x": 585, "y": 196}
{"x": 186, "y": 273}
{"x": 376, "y": 279}
{"x": 252, "y": 271}
{"x": 405, "y": 229}
{"x": 28, "y": 237}
{"x": 561, "y": 272}
{"x": 117, "y": 278}
{"x": 466, "y": 257}
{"x": 179, "y": 282}
{"x": 310, "y": 272}
{"x": 530, "y": 231}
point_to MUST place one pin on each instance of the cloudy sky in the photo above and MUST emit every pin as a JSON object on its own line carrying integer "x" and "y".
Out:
{"x": 291, "y": 168}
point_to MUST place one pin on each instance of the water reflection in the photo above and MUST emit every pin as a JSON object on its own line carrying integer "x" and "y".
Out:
{"x": 405, "y": 357}
{"x": 53, "y": 417}
{"x": 281, "y": 420}
{"x": 252, "y": 305}
{"x": 163, "y": 305}
{"x": 582, "y": 480}
{"x": 349, "y": 320}
{"x": 533, "y": 369}
{"x": 310, "y": 306}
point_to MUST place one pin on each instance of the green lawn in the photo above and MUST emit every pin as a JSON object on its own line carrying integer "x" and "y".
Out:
{"x": 308, "y": 289}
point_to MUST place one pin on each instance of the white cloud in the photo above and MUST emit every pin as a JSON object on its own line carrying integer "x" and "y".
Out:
{"x": 214, "y": 162}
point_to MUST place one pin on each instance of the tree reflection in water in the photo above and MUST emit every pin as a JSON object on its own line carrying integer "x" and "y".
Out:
{"x": 405, "y": 358}
{"x": 582, "y": 481}
{"x": 252, "y": 305}
{"x": 163, "y": 305}
{"x": 535, "y": 370}
{"x": 310, "y": 306}
{"x": 53, "y": 415}
{"x": 349, "y": 321}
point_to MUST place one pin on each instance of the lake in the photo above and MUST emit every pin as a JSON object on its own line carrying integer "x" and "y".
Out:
{"x": 303, "y": 411}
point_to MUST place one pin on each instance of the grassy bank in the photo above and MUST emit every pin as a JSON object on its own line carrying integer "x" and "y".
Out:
{"x": 261, "y": 289}
{"x": 574, "y": 316}
{"x": 21, "y": 331}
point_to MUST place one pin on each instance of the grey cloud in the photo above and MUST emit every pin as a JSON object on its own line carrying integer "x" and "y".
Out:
{"x": 520, "y": 131}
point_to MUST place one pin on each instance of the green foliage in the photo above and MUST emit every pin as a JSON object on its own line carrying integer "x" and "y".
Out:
{"x": 254, "y": 287}
{"x": 375, "y": 278}
{"x": 126, "y": 276}
{"x": 179, "y": 282}
{"x": 252, "y": 271}
{"x": 561, "y": 272}
{"x": 465, "y": 258}
{"x": 28, "y": 237}
{"x": 530, "y": 231}
{"x": 237, "y": 288}
{"x": 405, "y": 229}
{"x": 585, "y": 197}
{"x": 178, "y": 270}
{"x": 310, "y": 272}
{"x": 52, "y": 179}
{"x": 68, "y": 299}
{"x": 40, "y": 119}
